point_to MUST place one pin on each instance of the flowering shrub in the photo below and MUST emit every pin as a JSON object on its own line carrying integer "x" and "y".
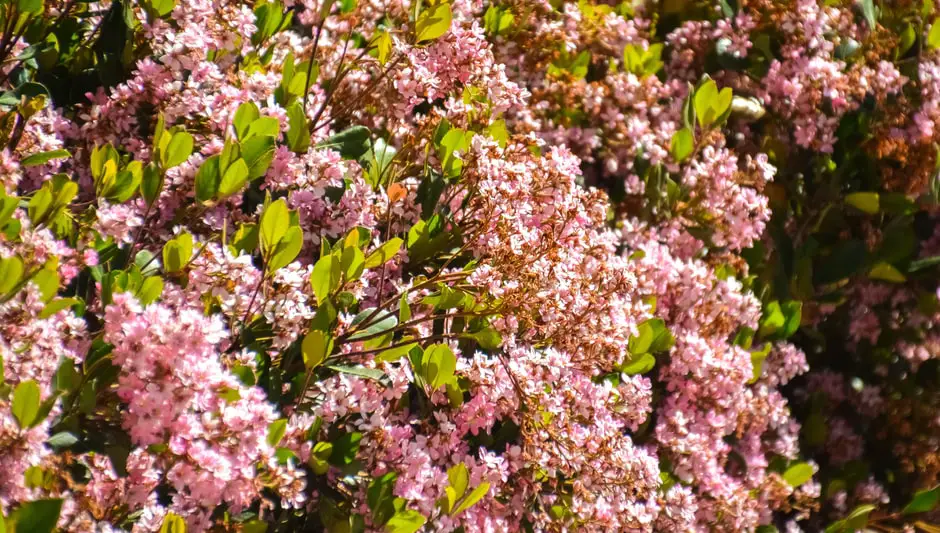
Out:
{"x": 305, "y": 265}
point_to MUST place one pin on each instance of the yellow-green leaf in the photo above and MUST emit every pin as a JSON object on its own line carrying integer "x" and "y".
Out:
{"x": 433, "y": 22}
{"x": 316, "y": 347}
{"x": 886, "y": 272}
{"x": 25, "y": 406}
{"x": 867, "y": 202}
{"x": 383, "y": 253}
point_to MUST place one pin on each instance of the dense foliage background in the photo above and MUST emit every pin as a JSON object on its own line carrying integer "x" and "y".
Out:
{"x": 523, "y": 265}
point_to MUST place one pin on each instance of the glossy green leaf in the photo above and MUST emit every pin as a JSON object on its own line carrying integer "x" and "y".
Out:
{"x": 476, "y": 495}
{"x": 433, "y": 22}
{"x": 923, "y": 501}
{"x": 287, "y": 249}
{"x": 325, "y": 277}
{"x": 316, "y": 347}
{"x": 233, "y": 179}
{"x": 42, "y": 158}
{"x": 246, "y": 114}
{"x": 275, "y": 221}
{"x": 406, "y": 521}
{"x": 345, "y": 449}
{"x": 798, "y": 474}
{"x": 179, "y": 149}
{"x": 207, "y": 179}
{"x": 382, "y": 322}
{"x": 173, "y": 523}
{"x": 25, "y": 407}
{"x": 298, "y": 132}
{"x": 276, "y": 431}
{"x": 682, "y": 144}
{"x": 384, "y": 253}
{"x": 11, "y": 273}
{"x": 38, "y": 516}
{"x": 867, "y": 202}
{"x": 639, "y": 365}
{"x": 438, "y": 365}
{"x": 886, "y": 272}
{"x": 933, "y": 37}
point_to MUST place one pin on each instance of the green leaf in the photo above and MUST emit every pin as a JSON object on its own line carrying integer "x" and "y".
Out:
{"x": 845, "y": 259}
{"x": 793, "y": 313}
{"x": 682, "y": 144}
{"x": 173, "y": 523}
{"x": 772, "y": 319}
{"x": 886, "y": 272}
{"x": 40, "y": 205}
{"x": 498, "y": 132}
{"x": 459, "y": 478}
{"x": 923, "y": 501}
{"x": 705, "y": 97}
{"x": 177, "y": 252}
{"x": 276, "y": 431}
{"x": 244, "y": 116}
{"x": 126, "y": 183}
{"x": 151, "y": 183}
{"x": 179, "y": 149}
{"x": 264, "y": 127}
{"x": 652, "y": 335}
{"x": 275, "y": 221}
{"x": 207, "y": 179}
{"x": 298, "y": 133}
{"x": 32, "y": 7}
{"x": 25, "y": 406}
{"x": 579, "y": 67}
{"x": 234, "y": 178}
{"x": 99, "y": 156}
{"x": 11, "y": 273}
{"x": 325, "y": 277}
{"x": 352, "y": 262}
{"x": 60, "y": 441}
{"x": 319, "y": 458}
{"x": 161, "y": 8}
{"x": 438, "y": 365}
{"x": 488, "y": 338}
{"x": 406, "y": 521}
{"x": 360, "y": 371}
{"x": 44, "y": 157}
{"x": 387, "y": 323}
{"x": 639, "y": 365}
{"x": 383, "y": 253}
{"x": 383, "y": 46}
{"x": 258, "y": 153}
{"x": 47, "y": 280}
{"x": 921, "y": 264}
{"x": 351, "y": 143}
{"x": 345, "y": 449}
{"x": 316, "y": 347}
{"x": 433, "y": 22}
{"x": 870, "y": 12}
{"x": 38, "y": 516}
{"x": 497, "y": 20}
{"x": 933, "y": 38}
{"x": 287, "y": 250}
{"x": 150, "y": 290}
{"x": 867, "y": 202}
{"x": 472, "y": 498}
{"x": 380, "y": 497}
{"x": 55, "y": 306}
{"x": 757, "y": 361}
{"x": 798, "y": 474}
